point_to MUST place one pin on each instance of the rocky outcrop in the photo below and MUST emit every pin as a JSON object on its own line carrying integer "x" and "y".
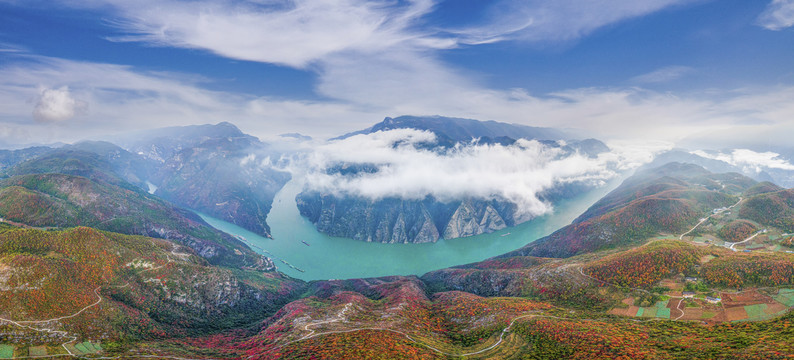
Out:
{"x": 467, "y": 221}
{"x": 405, "y": 221}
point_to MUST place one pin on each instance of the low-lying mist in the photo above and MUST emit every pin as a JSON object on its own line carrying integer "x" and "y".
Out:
{"x": 408, "y": 164}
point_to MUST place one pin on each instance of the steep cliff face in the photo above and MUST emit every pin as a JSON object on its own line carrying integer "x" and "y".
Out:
{"x": 477, "y": 217}
{"x": 406, "y": 221}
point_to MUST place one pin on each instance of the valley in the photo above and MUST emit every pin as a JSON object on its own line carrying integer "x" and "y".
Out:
{"x": 710, "y": 276}
{"x": 329, "y": 257}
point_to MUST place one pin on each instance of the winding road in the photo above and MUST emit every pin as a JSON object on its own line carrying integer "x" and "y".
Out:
{"x": 745, "y": 240}
{"x": 407, "y": 336}
{"x": 714, "y": 212}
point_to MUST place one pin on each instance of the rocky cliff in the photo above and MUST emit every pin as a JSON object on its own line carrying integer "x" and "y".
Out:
{"x": 406, "y": 221}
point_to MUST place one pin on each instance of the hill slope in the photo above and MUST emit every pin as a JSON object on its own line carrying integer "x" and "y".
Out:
{"x": 668, "y": 199}
{"x": 68, "y": 188}
{"x": 119, "y": 288}
{"x": 774, "y": 208}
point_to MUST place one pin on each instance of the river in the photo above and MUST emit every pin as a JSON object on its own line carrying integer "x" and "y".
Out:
{"x": 326, "y": 257}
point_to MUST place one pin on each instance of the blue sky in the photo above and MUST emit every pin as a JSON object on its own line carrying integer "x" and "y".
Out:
{"x": 682, "y": 71}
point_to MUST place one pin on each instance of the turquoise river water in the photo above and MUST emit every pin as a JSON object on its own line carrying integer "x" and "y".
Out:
{"x": 326, "y": 257}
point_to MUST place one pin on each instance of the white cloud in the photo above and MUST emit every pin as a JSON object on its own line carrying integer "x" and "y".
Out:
{"x": 778, "y": 15}
{"x": 293, "y": 33}
{"x": 123, "y": 98}
{"x": 55, "y": 105}
{"x": 247, "y": 160}
{"x": 372, "y": 61}
{"x": 517, "y": 173}
{"x": 665, "y": 74}
{"x": 11, "y": 48}
{"x": 559, "y": 20}
{"x": 750, "y": 161}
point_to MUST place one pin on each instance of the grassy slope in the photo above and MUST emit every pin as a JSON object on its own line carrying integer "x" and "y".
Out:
{"x": 771, "y": 209}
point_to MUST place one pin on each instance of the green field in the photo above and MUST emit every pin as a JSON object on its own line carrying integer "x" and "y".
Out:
{"x": 708, "y": 315}
{"x": 659, "y": 310}
{"x": 37, "y": 351}
{"x": 756, "y": 312}
{"x": 759, "y": 312}
{"x": 663, "y": 313}
{"x": 6, "y": 351}
{"x": 785, "y": 297}
{"x": 87, "y": 347}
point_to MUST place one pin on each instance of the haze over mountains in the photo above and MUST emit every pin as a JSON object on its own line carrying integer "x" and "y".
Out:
{"x": 407, "y": 179}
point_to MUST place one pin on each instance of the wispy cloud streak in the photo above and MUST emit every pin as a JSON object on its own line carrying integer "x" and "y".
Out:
{"x": 778, "y": 15}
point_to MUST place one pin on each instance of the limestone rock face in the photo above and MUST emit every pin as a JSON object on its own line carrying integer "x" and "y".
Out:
{"x": 394, "y": 220}
{"x": 469, "y": 220}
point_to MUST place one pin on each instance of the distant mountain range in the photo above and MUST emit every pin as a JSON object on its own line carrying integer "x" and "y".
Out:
{"x": 758, "y": 171}
{"x": 222, "y": 172}
{"x": 455, "y": 130}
